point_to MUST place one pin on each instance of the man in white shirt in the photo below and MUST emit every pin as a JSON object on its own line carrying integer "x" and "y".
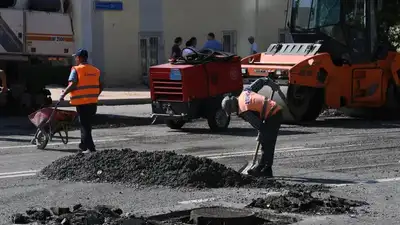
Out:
{"x": 253, "y": 45}
{"x": 190, "y": 46}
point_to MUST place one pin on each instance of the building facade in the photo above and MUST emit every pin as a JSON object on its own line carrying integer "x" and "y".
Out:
{"x": 124, "y": 43}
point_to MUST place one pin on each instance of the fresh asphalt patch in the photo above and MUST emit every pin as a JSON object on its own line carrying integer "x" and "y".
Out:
{"x": 307, "y": 202}
{"x": 169, "y": 169}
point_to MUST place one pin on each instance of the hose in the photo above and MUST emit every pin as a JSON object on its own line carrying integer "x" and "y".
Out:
{"x": 203, "y": 56}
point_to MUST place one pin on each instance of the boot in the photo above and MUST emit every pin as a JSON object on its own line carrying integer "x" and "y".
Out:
{"x": 267, "y": 172}
{"x": 257, "y": 170}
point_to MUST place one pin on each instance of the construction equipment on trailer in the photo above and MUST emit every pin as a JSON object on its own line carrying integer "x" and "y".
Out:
{"x": 36, "y": 43}
{"x": 193, "y": 87}
{"x": 334, "y": 57}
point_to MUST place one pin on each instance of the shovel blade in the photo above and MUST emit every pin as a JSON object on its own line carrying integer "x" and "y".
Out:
{"x": 245, "y": 168}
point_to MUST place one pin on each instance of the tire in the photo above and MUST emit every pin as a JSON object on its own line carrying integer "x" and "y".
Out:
{"x": 175, "y": 124}
{"x": 305, "y": 103}
{"x": 218, "y": 121}
{"x": 42, "y": 139}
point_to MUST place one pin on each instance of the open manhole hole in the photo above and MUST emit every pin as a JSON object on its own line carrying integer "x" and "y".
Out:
{"x": 219, "y": 216}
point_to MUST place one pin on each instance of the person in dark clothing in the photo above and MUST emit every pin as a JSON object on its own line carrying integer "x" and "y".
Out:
{"x": 176, "y": 50}
{"x": 85, "y": 86}
{"x": 264, "y": 114}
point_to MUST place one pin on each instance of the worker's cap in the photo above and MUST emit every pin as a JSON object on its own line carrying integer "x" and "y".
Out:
{"x": 82, "y": 53}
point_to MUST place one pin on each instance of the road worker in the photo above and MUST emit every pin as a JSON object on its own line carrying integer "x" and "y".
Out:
{"x": 85, "y": 85}
{"x": 264, "y": 114}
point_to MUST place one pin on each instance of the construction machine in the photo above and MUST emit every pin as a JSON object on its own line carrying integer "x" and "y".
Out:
{"x": 36, "y": 44}
{"x": 333, "y": 57}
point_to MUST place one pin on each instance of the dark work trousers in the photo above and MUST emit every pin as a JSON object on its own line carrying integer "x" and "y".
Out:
{"x": 268, "y": 135}
{"x": 86, "y": 114}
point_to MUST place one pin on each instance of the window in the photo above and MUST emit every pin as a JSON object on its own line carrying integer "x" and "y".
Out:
{"x": 143, "y": 56}
{"x": 229, "y": 41}
{"x": 150, "y": 50}
{"x": 311, "y": 14}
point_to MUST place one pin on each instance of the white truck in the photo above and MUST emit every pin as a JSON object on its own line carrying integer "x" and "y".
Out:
{"x": 36, "y": 44}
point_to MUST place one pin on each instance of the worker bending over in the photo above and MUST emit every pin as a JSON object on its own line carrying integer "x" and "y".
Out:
{"x": 85, "y": 86}
{"x": 264, "y": 115}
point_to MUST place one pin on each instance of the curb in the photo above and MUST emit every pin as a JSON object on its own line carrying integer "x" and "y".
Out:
{"x": 111, "y": 102}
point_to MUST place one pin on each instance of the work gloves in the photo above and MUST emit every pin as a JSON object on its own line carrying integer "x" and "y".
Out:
{"x": 62, "y": 96}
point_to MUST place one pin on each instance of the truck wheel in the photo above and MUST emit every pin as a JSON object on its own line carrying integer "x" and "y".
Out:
{"x": 175, "y": 124}
{"x": 218, "y": 121}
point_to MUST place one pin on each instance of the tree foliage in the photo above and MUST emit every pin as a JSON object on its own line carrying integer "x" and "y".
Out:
{"x": 389, "y": 22}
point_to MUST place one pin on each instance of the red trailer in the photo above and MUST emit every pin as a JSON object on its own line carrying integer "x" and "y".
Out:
{"x": 190, "y": 89}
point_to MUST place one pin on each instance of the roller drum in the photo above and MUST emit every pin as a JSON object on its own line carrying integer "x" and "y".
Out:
{"x": 267, "y": 92}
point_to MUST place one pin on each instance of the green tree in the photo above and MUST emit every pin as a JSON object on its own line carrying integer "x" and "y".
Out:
{"x": 389, "y": 21}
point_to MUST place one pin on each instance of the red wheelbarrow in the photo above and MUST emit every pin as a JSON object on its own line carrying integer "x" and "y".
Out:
{"x": 49, "y": 122}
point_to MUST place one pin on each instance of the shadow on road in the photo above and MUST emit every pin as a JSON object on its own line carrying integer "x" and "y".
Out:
{"x": 314, "y": 180}
{"x": 21, "y": 126}
{"x": 60, "y": 150}
{"x": 353, "y": 123}
{"x": 12, "y": 139}
{"x": 246, "y": 132}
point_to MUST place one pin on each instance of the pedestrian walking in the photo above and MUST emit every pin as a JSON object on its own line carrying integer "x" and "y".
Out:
{"x": 212, "y": 43}
{"x": 176, "y": 50}
{"x": 253, "y": 45}
{"x": 85, "y": 85}
{"x": 264, "y": 115}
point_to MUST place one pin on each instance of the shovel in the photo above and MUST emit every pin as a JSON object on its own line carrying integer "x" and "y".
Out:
{"x": 245, "y": 168}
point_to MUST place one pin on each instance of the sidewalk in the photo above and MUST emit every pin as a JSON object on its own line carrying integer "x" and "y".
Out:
{"x": 111, "y": 96}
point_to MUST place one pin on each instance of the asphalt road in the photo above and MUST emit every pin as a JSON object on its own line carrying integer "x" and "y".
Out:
{"x": 359, "y": 158}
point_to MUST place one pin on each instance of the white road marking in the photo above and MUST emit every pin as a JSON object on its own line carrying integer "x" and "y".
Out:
{"x": 127, "y": 138}
{"x": 197, "y": 201}
{"x": 19, "y": 172}
{"x": 377, "y": 181}
{"x": 292, "y": 149}
{"x": 18, "y": 175}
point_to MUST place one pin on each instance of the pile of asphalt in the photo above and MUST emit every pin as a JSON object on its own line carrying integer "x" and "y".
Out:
{"x": 77, "y": 215}
{"x": 331, "y": 113}
{"x": 306, "y": 202}
{"x": 163, "y": 168}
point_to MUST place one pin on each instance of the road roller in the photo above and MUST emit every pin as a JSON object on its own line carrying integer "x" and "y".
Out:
{"x": 335, "y": 55}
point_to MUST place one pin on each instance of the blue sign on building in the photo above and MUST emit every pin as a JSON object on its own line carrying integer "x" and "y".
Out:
{"x": 103, "y": 5}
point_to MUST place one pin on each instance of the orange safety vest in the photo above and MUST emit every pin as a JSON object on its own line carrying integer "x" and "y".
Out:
{"x": 252, "y": 101}
{"x": 88, "y": 88}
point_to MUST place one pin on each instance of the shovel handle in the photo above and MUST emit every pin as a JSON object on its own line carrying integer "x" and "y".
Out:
{"x": 256, "y": 153}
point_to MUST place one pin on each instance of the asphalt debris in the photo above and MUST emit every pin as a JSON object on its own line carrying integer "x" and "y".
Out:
{"x": 307, "y": 202}
{"x": 160, "y": 168}
{"x": 332, "y": 113}
{"x": 101, "y": 214}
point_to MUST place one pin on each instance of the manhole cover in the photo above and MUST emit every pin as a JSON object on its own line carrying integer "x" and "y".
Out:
{"x": 222, "y": 216}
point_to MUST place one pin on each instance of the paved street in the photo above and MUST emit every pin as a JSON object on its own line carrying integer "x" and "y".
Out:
{"x": 359, "y": 158}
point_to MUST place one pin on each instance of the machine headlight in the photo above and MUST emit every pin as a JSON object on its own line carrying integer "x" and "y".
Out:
{"x": 244, "y": 71}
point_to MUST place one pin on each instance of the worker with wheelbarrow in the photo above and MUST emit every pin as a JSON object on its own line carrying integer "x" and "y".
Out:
{"x": 85, "y": 86}
{"x": 264, "y": 114}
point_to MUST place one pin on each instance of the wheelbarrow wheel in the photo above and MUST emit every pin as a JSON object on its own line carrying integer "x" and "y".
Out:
{"x": 42, "y": 139}
{"x": 219, "y": 120}
{"x": 175, "y": 124}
